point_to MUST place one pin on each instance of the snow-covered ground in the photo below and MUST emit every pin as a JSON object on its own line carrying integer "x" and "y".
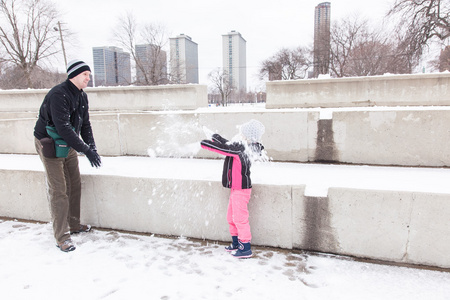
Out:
{"x": 115, "y": 265}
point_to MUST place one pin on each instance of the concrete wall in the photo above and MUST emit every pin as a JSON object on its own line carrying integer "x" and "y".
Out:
{"x": 389, "y": 90}
{"x": 392, "y": 226}
{"x": 388, "y": 136}
{"x": 374, "y": 137}
{"x": 162, "y": 206}
{"x": 17, "y": 136}
{"x": 129, "y": 98}
{"x": 172, "y": 134}
{"x": 167, "y": 134}
{"x": 388, "y": 225}
{"x": 404, "y": 138}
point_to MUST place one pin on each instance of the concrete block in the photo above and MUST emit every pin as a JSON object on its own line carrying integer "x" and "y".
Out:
{"x": 394, "y": 226}
{"x": 270, "y": 210}
{"x": 172, "y": 207}
{"x": 289, "y": 136}
{"x": 160, "y": 134}
{"x": 377, "y": 137}
{"x": 395, "y": 90}
{"x": 429, "y": 230}
{"x": 21, "y": 100}
{"x": 23, "y": 195}
{"x": 312, "y": 224}
{"x": 406, "y": 138}
{"x": 370, "y": 223}
{"x": 17, "y": 136}
{"x": 183, "y": 208}
{"x": 107, "y": 134}
{"x": 128, "y": 98}
{"x": 135, "y": 98}
{"x": 10, "y": 115}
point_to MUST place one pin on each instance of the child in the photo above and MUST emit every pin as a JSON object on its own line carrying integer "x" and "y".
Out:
{"x": 236, "y": 176}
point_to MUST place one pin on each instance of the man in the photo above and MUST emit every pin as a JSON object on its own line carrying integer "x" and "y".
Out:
{"x": 63, "y": 118}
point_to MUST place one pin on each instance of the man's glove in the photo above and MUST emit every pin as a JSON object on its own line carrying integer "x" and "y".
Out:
{"x": 94, "y": 158}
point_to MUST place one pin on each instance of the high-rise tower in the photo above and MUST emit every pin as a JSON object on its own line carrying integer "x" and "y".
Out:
{"x": 183, "y": 59}
{"x": 235, "y": 59}
{"x": 111, "y": 66}
{"x": 322, "y": 45}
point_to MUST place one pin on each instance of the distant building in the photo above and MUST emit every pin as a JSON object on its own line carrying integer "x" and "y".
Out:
{"x": 183, "y": 59}
{"x": 235, "y": 59}
{"x": 151, "y": 65}
{"x": 322, "y": 47}
{"x": 112, "y": 66}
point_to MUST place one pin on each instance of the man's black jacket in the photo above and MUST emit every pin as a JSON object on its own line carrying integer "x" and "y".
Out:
{"x": 66, "y": 108}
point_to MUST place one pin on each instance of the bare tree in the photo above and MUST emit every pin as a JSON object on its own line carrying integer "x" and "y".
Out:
{"x": 177, "y": 73}
{"x": 178, "y": 67}
{"x": 369, "y": 58}
{"x": 27, "y": 36}
{"x": 357, "y": 50}
{"x": 420, "y": 21}
{"x": 146, "y": 46}
{"x": 12, "y": 78}
{"x": 405, "y": 57}
{"x": 345, "y": 35}
{"x": 154, "y": 62}
{"x": 286, "y": 64}
{"x": 221, "y": 84}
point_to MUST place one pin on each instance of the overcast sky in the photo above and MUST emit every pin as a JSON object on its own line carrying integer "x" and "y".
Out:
{"x": 267, "y": 26}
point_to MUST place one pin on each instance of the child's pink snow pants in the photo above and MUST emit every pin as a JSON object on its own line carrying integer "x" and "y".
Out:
{"x": 237, "y": 215}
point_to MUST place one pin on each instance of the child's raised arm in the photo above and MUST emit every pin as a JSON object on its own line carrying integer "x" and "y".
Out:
{"x": 220, "y": 145}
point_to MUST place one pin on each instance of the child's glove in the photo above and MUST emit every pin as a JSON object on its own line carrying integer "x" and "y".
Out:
{"x": 209, "y": 133}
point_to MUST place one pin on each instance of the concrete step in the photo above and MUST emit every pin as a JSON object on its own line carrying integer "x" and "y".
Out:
{"x": 388, "y": 213}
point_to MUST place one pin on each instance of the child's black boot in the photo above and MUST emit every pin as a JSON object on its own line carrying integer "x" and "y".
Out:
{"x": 244, "y": 250}
{"x": 234, "y": 244}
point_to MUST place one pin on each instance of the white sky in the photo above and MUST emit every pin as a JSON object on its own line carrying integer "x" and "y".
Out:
{"x": 267, "y": 26}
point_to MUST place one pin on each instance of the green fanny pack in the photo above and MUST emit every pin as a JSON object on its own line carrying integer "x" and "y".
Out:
{"x": 61, "y": 147}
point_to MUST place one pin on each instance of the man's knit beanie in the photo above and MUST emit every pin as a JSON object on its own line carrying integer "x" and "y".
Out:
{"x": 76, "y": 67}
{"x": 252, "y": 130}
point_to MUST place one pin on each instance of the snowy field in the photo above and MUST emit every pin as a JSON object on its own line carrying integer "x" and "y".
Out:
{"x": 115, "y": 265}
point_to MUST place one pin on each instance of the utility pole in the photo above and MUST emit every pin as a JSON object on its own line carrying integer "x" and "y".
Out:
{"x": 62, "y": 42}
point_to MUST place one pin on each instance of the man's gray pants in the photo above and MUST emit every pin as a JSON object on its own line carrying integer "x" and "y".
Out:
{"x": 64, "y": 192}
